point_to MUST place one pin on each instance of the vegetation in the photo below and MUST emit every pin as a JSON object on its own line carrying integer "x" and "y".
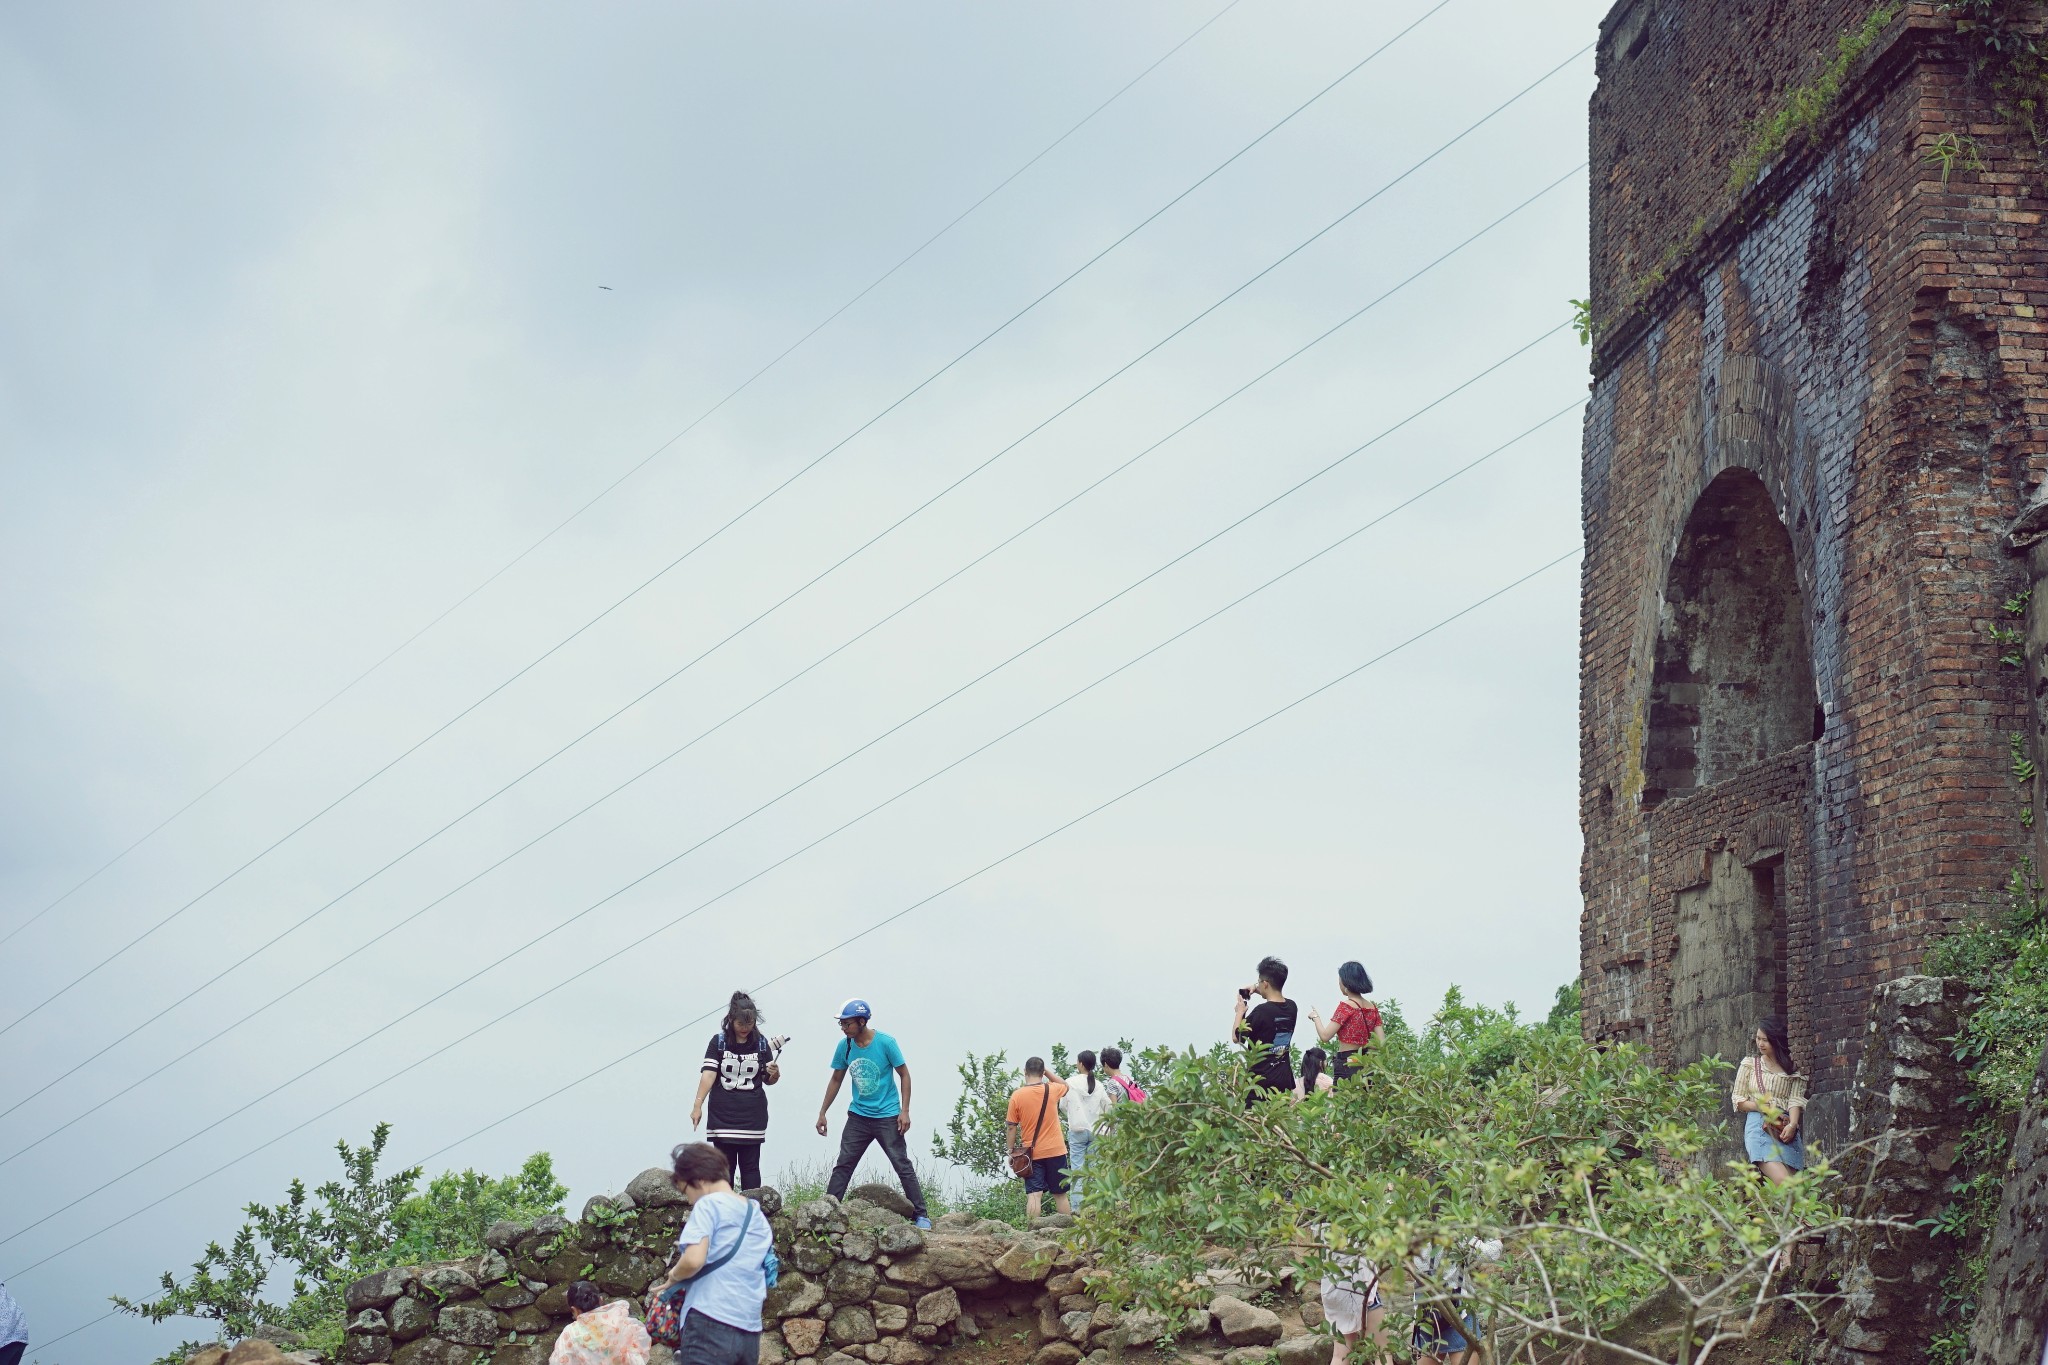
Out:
{"x": 1569, "y": 1181}
{"x": 345, "y": 1229}
{"x": 2005, "y": 960}
{"x": 2006, "y": 44}
{"x": 1807, "y": 106}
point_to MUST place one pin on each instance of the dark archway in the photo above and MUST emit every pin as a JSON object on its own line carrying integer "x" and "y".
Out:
{"x": 1733, "y": 678}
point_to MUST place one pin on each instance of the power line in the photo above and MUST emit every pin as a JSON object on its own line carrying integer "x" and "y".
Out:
{"x": 390, "y": 1024}
{"x": 642, "y": 463}
{"x": 702, "y": 735}
{"x": 858, "y": 550}
{"x": 878, "y": 925}
{"x": 730, "y": 522}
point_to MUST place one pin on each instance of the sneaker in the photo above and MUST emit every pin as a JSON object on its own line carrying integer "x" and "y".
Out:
{"x": 924, "y": 1222}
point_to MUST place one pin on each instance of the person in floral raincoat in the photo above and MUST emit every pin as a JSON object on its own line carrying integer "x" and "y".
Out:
{"x": 600, "y": 1335}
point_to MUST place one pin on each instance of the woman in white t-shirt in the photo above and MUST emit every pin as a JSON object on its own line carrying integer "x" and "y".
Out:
{"x": 1087, "y": 1099}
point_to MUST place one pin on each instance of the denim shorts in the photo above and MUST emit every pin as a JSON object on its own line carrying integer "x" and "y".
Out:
{"x": 1437, "y": 1335}
{"x": 1048, "y": 1175}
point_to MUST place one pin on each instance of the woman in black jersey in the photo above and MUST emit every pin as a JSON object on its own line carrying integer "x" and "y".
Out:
{"x": 737, "y": 1065}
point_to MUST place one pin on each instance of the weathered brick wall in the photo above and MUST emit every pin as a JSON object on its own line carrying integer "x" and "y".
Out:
{"x": 1864, "y": 339}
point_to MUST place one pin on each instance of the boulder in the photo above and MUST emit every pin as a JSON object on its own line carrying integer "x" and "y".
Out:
{"x": 851, "y": 1282}
{"x": 504, "y": 1234}
{"x": 1054, "y": 1220}
{"x": 449, "y": 1282}
{"x": 903, "y": 1351}
{"x": 434, "y": 1351}
{"x": 1249, "y": 1355}
{"x": 1057, "y": 1353}
{"x": 966, "y": 1326}
{"x": 528, "y": 1320}
{"x": 599, "y": 1204}
{"x": 840, "y": 1358}
{"x": 893, "y": 1293}
{"x": 1306, "y": 1349}
{"x": 769, "y": 1198}
{"x": 858, "y": 1244}
{"x": 411, "y": 1317}
{"x": 919, "y": 1271}
{"x": 657, "y": 1354}
{"x": 1242, "y": 1324}
{"x": 822, "y": 1217}
{"x": 1073, "y": 1303}
{"x": 804, "y": 1335}
{"x": 1143, "y": 1327}
{"x": 208, "y": 1355}
{"x": 357, "y": 1349}
{"x": 994, "y": 1227}
{"x": 876, "y": 1352}
{"x": 922, "y": 1332}
{"x": 537, "y": 1353}
{"x": 652, "y": 1189}
{"x": 303, "y": 1358}
{"x": 812, "y": 1256}
{"x": 378, "y": 1290}
{"x": 794, "y": 1295}
{"x": 627, "y": 1273}
{"x": 958, "y": 1220}
{"x": 891, "y": 1318}
{"x": 938, "y": 1308}
{"x": 1074, "y": 1326}
{"x": 1027, "y": 1261}
{"x": 367, "y": 1323}
{"x": 554, "y": 1301}
{"x": 513, "y": 1295}
{"x": 772, "y": 1351}
{"x": 544, "y": 1230}
{"x": 469, "y": 1324}
{"x": 900, "y": 1239}
{"x": 852, "y": 1326}
{"x": 883, "y": 1197}
{"x": 492, "y": 1267}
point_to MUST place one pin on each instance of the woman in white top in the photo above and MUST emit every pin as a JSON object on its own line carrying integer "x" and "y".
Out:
{"x": 1086, "y": 1101}
{"x": 1770, "y": 1094}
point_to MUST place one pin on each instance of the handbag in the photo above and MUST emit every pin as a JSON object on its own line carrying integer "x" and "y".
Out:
{"x": 1020, "y": 1157}
{"x": 665, "y": 1314}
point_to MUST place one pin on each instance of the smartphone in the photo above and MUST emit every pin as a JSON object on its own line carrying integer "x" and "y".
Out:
{"x": 1244, "y": 992}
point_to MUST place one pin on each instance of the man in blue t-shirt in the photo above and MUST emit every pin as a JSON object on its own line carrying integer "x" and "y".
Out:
{"x": 875, "y": 1114}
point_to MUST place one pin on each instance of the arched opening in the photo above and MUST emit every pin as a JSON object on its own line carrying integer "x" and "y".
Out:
{"x": 1733, "y": 679}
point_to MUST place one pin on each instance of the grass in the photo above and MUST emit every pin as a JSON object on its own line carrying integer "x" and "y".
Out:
{"x": 945, "y": 1190}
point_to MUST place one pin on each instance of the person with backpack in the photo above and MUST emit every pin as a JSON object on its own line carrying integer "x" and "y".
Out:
{"x": 1121, "y": 1087}
{"x": 738, "y": 1064}
{"x": 726, "y": 1256}
{"x": 1038, "y": 1150}
{"x": 1267, "y": 1027}
{"x": 601, "y": 1333}
{"x": 878, "y": 1112}
{"x": 1084, "y": 1105}
{"x": 1356, "y": 1024}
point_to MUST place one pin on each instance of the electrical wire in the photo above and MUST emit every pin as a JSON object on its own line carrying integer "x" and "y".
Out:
{"x": 642, "y": 463}
{"x": 875, "y": 927}
{"x": 1356, "y": 208}
{"x": 730, "y": 522}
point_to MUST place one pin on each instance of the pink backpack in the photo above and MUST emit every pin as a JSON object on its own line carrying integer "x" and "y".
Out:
{"x": 1132, "y": 1090}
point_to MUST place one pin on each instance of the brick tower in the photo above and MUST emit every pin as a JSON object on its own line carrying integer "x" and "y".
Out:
{"x": 1818, "y": 409}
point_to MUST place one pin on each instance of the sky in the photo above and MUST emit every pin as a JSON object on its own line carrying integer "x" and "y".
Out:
{"x": 322, "y": 316}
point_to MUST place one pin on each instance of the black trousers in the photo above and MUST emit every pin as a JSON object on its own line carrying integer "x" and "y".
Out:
{"x": 745, "y": 1158}
{"x": 861, "y": 1130}
{"x": 707, "y": 1341}
{"x": 10, "y": 1354}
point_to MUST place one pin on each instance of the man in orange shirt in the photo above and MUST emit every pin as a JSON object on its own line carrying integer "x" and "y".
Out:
{"x": 1033, "y": 1125}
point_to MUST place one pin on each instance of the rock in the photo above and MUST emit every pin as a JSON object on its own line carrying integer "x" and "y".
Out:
{"x": 434, "y": 1351}
{"x": 378, "y": 1290}
{"x": 1027, "y": 1261}
{"x": 1057, "y": 1353}
{"x": 851, "y": 1282}
{"x": 358, "y": 1349}
{"x": 958, "y": 1219}
{"x": 772, "y": 1351}
{"x": 528, "y": 1320}
{"x": 513, "y": 1295}
{"x": 811, "y": 1256}
{"x": 410, "y": 1317}
{"x": 369, "y": 1322}
{"x": 468, "y": 1324}
{"x": 900, "y": 1239}
{"x": 938, "y": 1308}
{"x": 905, "y": 1352}
{"x": 504, "y": 1234}
{"x": 254, "y": 1351}
{"x": 1244, "y": 1325}
{"x": 657, "y": 1354}
{"x": 1059, "y": 1286}
{"x": 876, "y": 1352}
{"x": 851, "y": 1326}
{"x": 492, "y": 1267}
{"x": 652, "y": 1189}
{"x": 1312, "y": 1310}
{"x": 450, "y": 1282}
{"x": 891, "y": 1293}
{"x": 1143, "y": 1327}
{"x": 858, "y": 1244}
{"x": 1249, "y": 1355}
{"x": 1306, "y": 1349}
{"x": 994, "y": 1227}
{"x": 891, "y": 1318}
{"x": 537, "y": 1353}
{"x": 966, "y": 1326}
{"x": 793, "y": 1296}
{"x": 600, "y": 1204}
{"x": 554, "y": 1301}
{"x": 919, "y": 1271}
{"x": 841, "y": 1358}
{"x": 1073, "y": 1303}
{"x": 804, "y": 1335}
{"x": 769, "y": 1198}
{"x": 820, "y": 1217}
{"x": 208, "y": 1355}
{"x": 1074, "y": 1326}
{"x": 922, "y": 1332}
{"x": 547, "y": 1228}
{"x": 627, "y": 1273}
{"x": 303, "y": 1358}
{"x": 883, "y": 1197}
{"x": 1054, "y": 1220}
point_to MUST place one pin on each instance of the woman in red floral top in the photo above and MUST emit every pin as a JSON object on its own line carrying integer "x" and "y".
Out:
{"x": 1356, "y": 1024}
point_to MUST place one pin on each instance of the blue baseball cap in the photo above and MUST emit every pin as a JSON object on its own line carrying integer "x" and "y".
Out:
{"x": 855, "y": 1009}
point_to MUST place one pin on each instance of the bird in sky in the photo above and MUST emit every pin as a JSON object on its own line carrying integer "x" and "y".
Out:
{"x": 607, "y": 288}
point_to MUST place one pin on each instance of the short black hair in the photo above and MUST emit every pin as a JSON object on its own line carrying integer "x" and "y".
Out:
{"x": 699, "y": 1163}
{"x": 1354, "y": 978}
{"x": 1112, "y": 1057}
{"x": 1034, "y": 1066}
{"x": 1273, "y": 972}
{"x": 584, "y": 1296}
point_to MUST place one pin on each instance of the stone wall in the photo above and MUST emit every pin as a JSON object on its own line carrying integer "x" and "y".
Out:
{"x": 2012, "y": 1314}
{"x": 859, "y": 1283}
{"x": 1862, "y": 340}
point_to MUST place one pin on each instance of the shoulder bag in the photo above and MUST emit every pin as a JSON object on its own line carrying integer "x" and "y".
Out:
{"x": 1020, "y": 1157}
{"x": 665, "y": 1314}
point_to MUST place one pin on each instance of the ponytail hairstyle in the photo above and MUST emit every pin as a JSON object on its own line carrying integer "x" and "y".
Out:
{"x": 1353, "y": 977}
{"x": 1087, "y": 1061}
{"x": 1113, "y": 1058}
{"x": 1312, "y": 1063}
{"x": 742, "y": 1008}
{"x": 1781, "y": 1048}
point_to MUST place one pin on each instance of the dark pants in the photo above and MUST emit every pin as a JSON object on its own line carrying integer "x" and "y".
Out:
{"x": 10, "y": 1354}
{"x": 707, "y": 1341}
{"x": 860, "y": 1130}
{"x": 745, "y": 1158}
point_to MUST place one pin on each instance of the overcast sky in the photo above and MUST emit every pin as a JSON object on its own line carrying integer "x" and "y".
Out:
{"x": 319, "y": 315}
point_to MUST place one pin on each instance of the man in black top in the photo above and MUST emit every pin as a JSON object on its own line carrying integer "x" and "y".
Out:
{"x": 1270, "y": 1022}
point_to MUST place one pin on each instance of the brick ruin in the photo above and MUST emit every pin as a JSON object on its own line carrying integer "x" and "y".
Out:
{"x": 1815, "y": 420}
